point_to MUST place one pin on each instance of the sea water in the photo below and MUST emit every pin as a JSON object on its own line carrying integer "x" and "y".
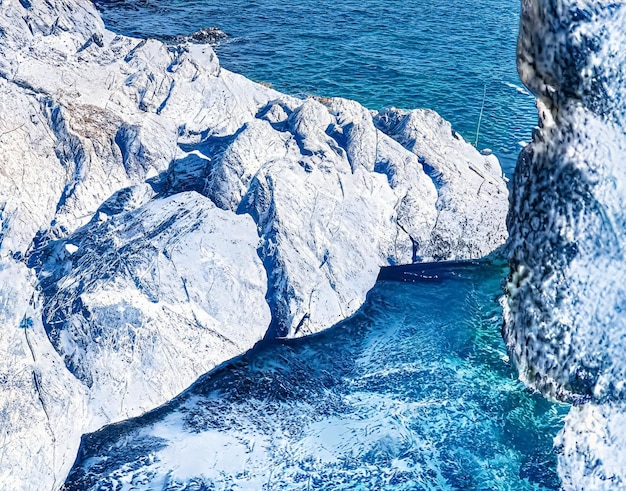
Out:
{"x": 415, "y": 391}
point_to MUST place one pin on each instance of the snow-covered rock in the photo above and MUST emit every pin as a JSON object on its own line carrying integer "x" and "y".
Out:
{"x": 564, "y": 316}
{"x": 176, "y": 213}
{"x": 42, "y": 405}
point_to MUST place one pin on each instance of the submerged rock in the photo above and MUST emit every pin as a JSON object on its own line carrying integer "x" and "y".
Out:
{"x": 565, "y": 324}
{"x": 208, "y": 35}
{"x": 175, "y": 213}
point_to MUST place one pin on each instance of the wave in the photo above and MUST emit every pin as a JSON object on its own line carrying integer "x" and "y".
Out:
{"x": 519, "y": 89}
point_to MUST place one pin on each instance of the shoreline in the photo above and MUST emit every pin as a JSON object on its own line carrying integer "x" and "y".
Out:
{"x": 458, "y": 99}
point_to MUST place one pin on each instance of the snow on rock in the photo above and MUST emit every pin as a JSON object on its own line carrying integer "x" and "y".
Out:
{"x": 42, "y": 406}
{"x": 176, "y": 213}
{"x": 152, "y": 298}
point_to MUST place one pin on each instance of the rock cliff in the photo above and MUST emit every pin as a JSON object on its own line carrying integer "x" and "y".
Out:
{"x": 565, "y": 323}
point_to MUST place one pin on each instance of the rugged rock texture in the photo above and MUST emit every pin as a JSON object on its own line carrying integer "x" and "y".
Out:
{"x": 565, "y": 323}
{"x": 141, "y": 303}
{"x": 175, "y": 213}
{"x": 42, "y": 406}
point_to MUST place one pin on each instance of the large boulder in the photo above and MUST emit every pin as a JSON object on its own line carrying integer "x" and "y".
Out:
{"x": 43, "y": 407}
{"x": 141, "y": 303}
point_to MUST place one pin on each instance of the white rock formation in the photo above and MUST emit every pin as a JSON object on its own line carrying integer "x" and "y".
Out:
{"x": 42, "y": 405}
{"x": 592, "y": 448}
{"x": 175, "y": 213}
{"x": 145, "y": 301}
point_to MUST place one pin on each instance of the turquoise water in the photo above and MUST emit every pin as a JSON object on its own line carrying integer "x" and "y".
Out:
{"x": 414, "y": 392}
{"x": 440, "y": 54}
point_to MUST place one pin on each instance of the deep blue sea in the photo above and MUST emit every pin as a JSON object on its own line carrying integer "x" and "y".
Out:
{"x": 440, "y": 54}
{"x": 417, "y": 384}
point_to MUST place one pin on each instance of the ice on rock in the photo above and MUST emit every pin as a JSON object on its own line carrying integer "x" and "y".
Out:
{"x": 176, "y": 213}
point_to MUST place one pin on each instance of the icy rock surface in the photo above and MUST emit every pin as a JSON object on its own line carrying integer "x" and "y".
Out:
{"x": 173, "y": 213}
{"x": 565, "y": 323}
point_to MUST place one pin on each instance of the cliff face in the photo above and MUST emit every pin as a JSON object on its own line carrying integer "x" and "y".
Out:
{"x": 159, "y": 215}
{"x": 565, "y": 324}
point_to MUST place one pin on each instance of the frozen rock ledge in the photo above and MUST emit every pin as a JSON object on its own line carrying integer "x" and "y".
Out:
{"x": 159, "y": 215}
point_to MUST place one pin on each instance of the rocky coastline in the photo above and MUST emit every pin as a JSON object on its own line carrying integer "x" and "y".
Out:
{"x": 160, "y": 215}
